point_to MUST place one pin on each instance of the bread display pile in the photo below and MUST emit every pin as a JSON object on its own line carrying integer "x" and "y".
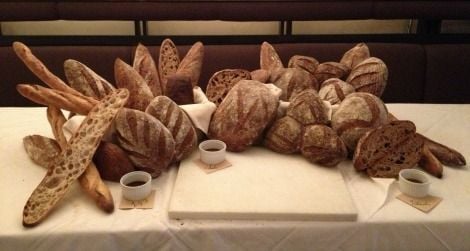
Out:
{"x": 325, "y": 111}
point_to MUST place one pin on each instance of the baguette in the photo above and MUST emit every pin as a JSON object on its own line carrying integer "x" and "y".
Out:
{"x": 57, "y": 120}
{"x": 73, "y": 160}
{"x": 168, "y": 61}
{"x": 57, "y": 98}
{"x": 145, "y": 66}
{"x": 430, "y": 163}
{"x": 444, "y": 154}
{"x": 192, "y": 63}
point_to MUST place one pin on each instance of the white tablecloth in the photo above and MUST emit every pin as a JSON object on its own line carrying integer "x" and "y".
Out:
{"x": 384, "y": 223}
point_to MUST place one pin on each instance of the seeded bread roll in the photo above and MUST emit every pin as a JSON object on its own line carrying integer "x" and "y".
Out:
{"x": 356, "y": 55}
{"x": 335, "y": 90}
{"x": 242, "y": 116}
{"x": 145, "y": 66}
{"x": 387, "y": 149}
{"x": 127, "y": 77}
{"x": 307, "y": 108}
{"x": 85, "y": 80}
{"x": 168, "y": 61}
{"x": 291, "y": 81}
{"x": 148, "y": 143}
{"x": 177, "y": 122}
{"x": 328, "y": 70}
{"x": 284, "y": 136}
{"x": 321, "y": 145}
{"x": 370, "y": 76}
{"x": 222, "y": 82}
{"x": 358, "y": 113}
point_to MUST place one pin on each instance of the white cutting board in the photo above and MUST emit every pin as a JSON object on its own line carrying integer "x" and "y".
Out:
{"x": 261, "y": 185}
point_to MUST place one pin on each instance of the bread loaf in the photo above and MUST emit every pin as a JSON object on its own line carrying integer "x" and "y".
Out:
{"x": 74, "y": 159}
{"x": 139, "y": 91}
{"x": 112, "y": 161}
{"x": 168, "y": 61}
{"x": 260, "y": 75}
{"x": 307, "y": 108}
{"x": 430, "y": 163}
{"x": 57, "y": 120}
{"x": 284, "y": 136}
{"x": 41, "y": 150}
{"x": 358, "y": 113}
{"x": 177, "y": 122}
{"x": 222, "y": 82}
{"x": 192, "y": 63}
{"x": 148, "y": 143}
{"x": 356, "y": 55}
{"x": 269, "y": 59}
{"x": 145, "y": 66}
{"x": 321, "y": 145}
{"x": 180, "y": 89}
{"x": 445, "y": 154}
{"x": 308, "y": 64}
{"x": 85, "y": 80}
{"x": 291, "y": 81}
{"x": 243, "y": 115}
{"x": 387, "y": 149}
{"x": 370, "y": 76}
{"x": 328, "y": 70}
{"x": 335, "y": 90}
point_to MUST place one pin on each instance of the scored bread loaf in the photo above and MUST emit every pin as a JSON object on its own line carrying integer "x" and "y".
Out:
{"x": 355, "y": 55}
{"x": 177, "y": 122}
{"x": 260, "y": 75}
{"x": 140, "y": 94}
{"x": 328, "y": 70}
{"x": 41, "y": 150}
{"x": 370, "y": 76}
{"x": 85, "y": 80}
{"x": 308, "y": 64}
{"x": 307, "y": 108}
{"x": 387, "y": 149}
{"x": 74, "y": 159}
{"x": 335, "y": 90}
{"x": 192, "y": 63}
{"x": 321, "y": 145}
{"x": 358, "y": 113}
{"x": 148, "y": 143}
{"x": 168, "y": 61}
{"x": 269, "y": 59}
{"x": 222, "y": 82}
{"x": 291, "y": 81}
{"x": 284, "y": 136}
{"x": 145, "y": 66}
{"x": 243, "y": 115}
{"x": 112, "y": 161}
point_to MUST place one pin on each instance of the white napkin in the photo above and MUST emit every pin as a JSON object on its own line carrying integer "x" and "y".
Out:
{"x": 200, "y": 113}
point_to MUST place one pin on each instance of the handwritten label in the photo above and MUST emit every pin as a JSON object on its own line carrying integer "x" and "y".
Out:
{"x": 425, "y": 204}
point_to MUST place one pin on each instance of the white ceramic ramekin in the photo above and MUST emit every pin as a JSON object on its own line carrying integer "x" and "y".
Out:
{"x": 132, "y": 192}
{"x": 212, "y": 151}
{"x": 408, "y": 186}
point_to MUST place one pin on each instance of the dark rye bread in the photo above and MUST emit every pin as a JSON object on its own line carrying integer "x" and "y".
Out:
{"x": 322, "y": 146}
{"x": 168, "y": 61}
{"x": 179, "y": 89}
{"x": 222, "y": 82}
{"x": 145, "y": 66}
{"x": 307, "y": 108}
{"x": 243, "y": 115}
{"x": 148, "y": 143}
{"x": 387, "y": 149}
{"x": 85, "y": 80}
{"x": 284, "y": 136}
{"x": 358, "y": 113}
{"x": 177, "y": 122}
{"x": 335, "y": 90}
{"x": 112, "y": 161}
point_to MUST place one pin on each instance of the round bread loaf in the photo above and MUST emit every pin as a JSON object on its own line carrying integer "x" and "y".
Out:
{"x": 307, "y": 108}
{"x": 356, "y": 55}
{"x": 284, "y": 135}
{"x": 358, "y": 113}
{"x": 328, "y": 70}
{"x": 243, "y": 115}
{"x": 260, "y": 75}
{"x": 305, "y": 63}
{"x": 291, "y": 81}
{"x": 112, "y": 161}
{"x": 321, "y": 145}
{"x": 335, "y": 90}
{"x": 269, "y": 59}
{"x": 369, "y": 76}
{"x": 222, "y": 82}
{"x": 148, "y": 143}
{"x": 179, "y": 124}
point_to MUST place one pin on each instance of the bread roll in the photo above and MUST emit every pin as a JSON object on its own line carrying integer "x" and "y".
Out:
{"x": 243, "y": 115}
{"x": 222, "y": 82}
{"x": 168, "y": 61}
{"x": 192, "y": 63}
{"x": 180, "y": 89}
{"x": 321, "y": 145}
{"x": 112, "y": 161}
{"x": 358, "y": 113}
{"x": 177, "y": 122}
{"x": 335, "y": 90}
{"x": 370, "y": 76}
{"x": 308, "y": 64}
{"x": 148, "y": 143}
{"x": 307, "y": 108}
{"x": 328, "y": 70}
{"x": 145, "y": 66}
{"x": 127, "y": 77}
{"x": 384, "y": 151}
{"x": 356, "y": 55}
{"x": 291, "y": 81}
{"x": 284, "y": 136}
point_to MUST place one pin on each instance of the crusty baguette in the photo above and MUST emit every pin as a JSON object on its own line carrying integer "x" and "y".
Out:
{"x": 145, "y": 66}
{"x": 430, "y": 163}
{"x": 57, "y": 120}
{"x": 445, "y": 154}
{"x": 269, "y": 59}
{"x": 85, "y": 80}
{"x": 168, "y": 61}
{"x": 41, "y": 71}
{"x": 60, "y": 99}
{"x": 192, "y": 63}
{"x": 74, "y": 159}
{"x": 222, "y": 82}
{"x": 41, "y": 150}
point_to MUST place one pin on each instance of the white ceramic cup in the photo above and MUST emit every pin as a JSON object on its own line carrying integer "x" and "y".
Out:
{"x": 132, "y": 192}
{"x": 212, "y": 151}
{"x": 414, "y": 182}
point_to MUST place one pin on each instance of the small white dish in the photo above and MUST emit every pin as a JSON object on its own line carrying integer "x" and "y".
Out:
{"x": 136, "y": 185}
{"x": 414, "y": 183}
{"x": 212, "y": 151}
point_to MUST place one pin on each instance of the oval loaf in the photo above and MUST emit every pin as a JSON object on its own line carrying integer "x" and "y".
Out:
{"x": 321, "y": 145}
{"x": 307, "y": 108}
{"x": 284, "y": 135}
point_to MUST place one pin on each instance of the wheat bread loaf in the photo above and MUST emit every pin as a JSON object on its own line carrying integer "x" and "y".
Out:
{"x": 284, "y": 136}
{"x": 269, "y": 59}
{"x": 260, "y": 75}
{"x": 41, "y": 150}
{"x": 145, "y": 66}
{"x": 335, "y": 90}
{"x": 291, "y": 81}
{"x": 370, "y": 76}
{"x": 191, "y": 64}
{"x": 222, "y": 82}
{"x": 112, "y": 161}
{"x": 355, "y": 55}
{"x": 307, "y": 108}
{"x": 322, "y": 146}
{"x": 329, "y": 70}
{"x": 180, "y": 89}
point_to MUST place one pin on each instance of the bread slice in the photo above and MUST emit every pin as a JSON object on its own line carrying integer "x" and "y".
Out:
{"x": 168, "y": 61}
{"x": 389, "y": 148}
{"x": 222, "y": 82}
{"x": 74, "y": 159}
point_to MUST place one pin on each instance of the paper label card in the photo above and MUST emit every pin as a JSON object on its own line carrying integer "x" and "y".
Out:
{"x": 425, "y": 204}
{"x": 146, "y": 203}
{"x": 212, "y": 168}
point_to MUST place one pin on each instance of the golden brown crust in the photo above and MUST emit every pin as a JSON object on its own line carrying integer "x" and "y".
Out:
{"x": 445, "y": 154}
{"x": 355, "y": 55}
{"x": 57, "y": 120}
{"x": 145, "y": 66}
{"x": 307, "y": 108}
{"x": 284, "y": 136}
{"x": 430, "y": 163}
{"x": 321, "y": 145}
{"x": 269, "y": 59}
{"x": 222, "y": 82}
{"x": 168, "y": 61}
{"x": 192, "y": 63}
{"x": 370, "y": 76}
